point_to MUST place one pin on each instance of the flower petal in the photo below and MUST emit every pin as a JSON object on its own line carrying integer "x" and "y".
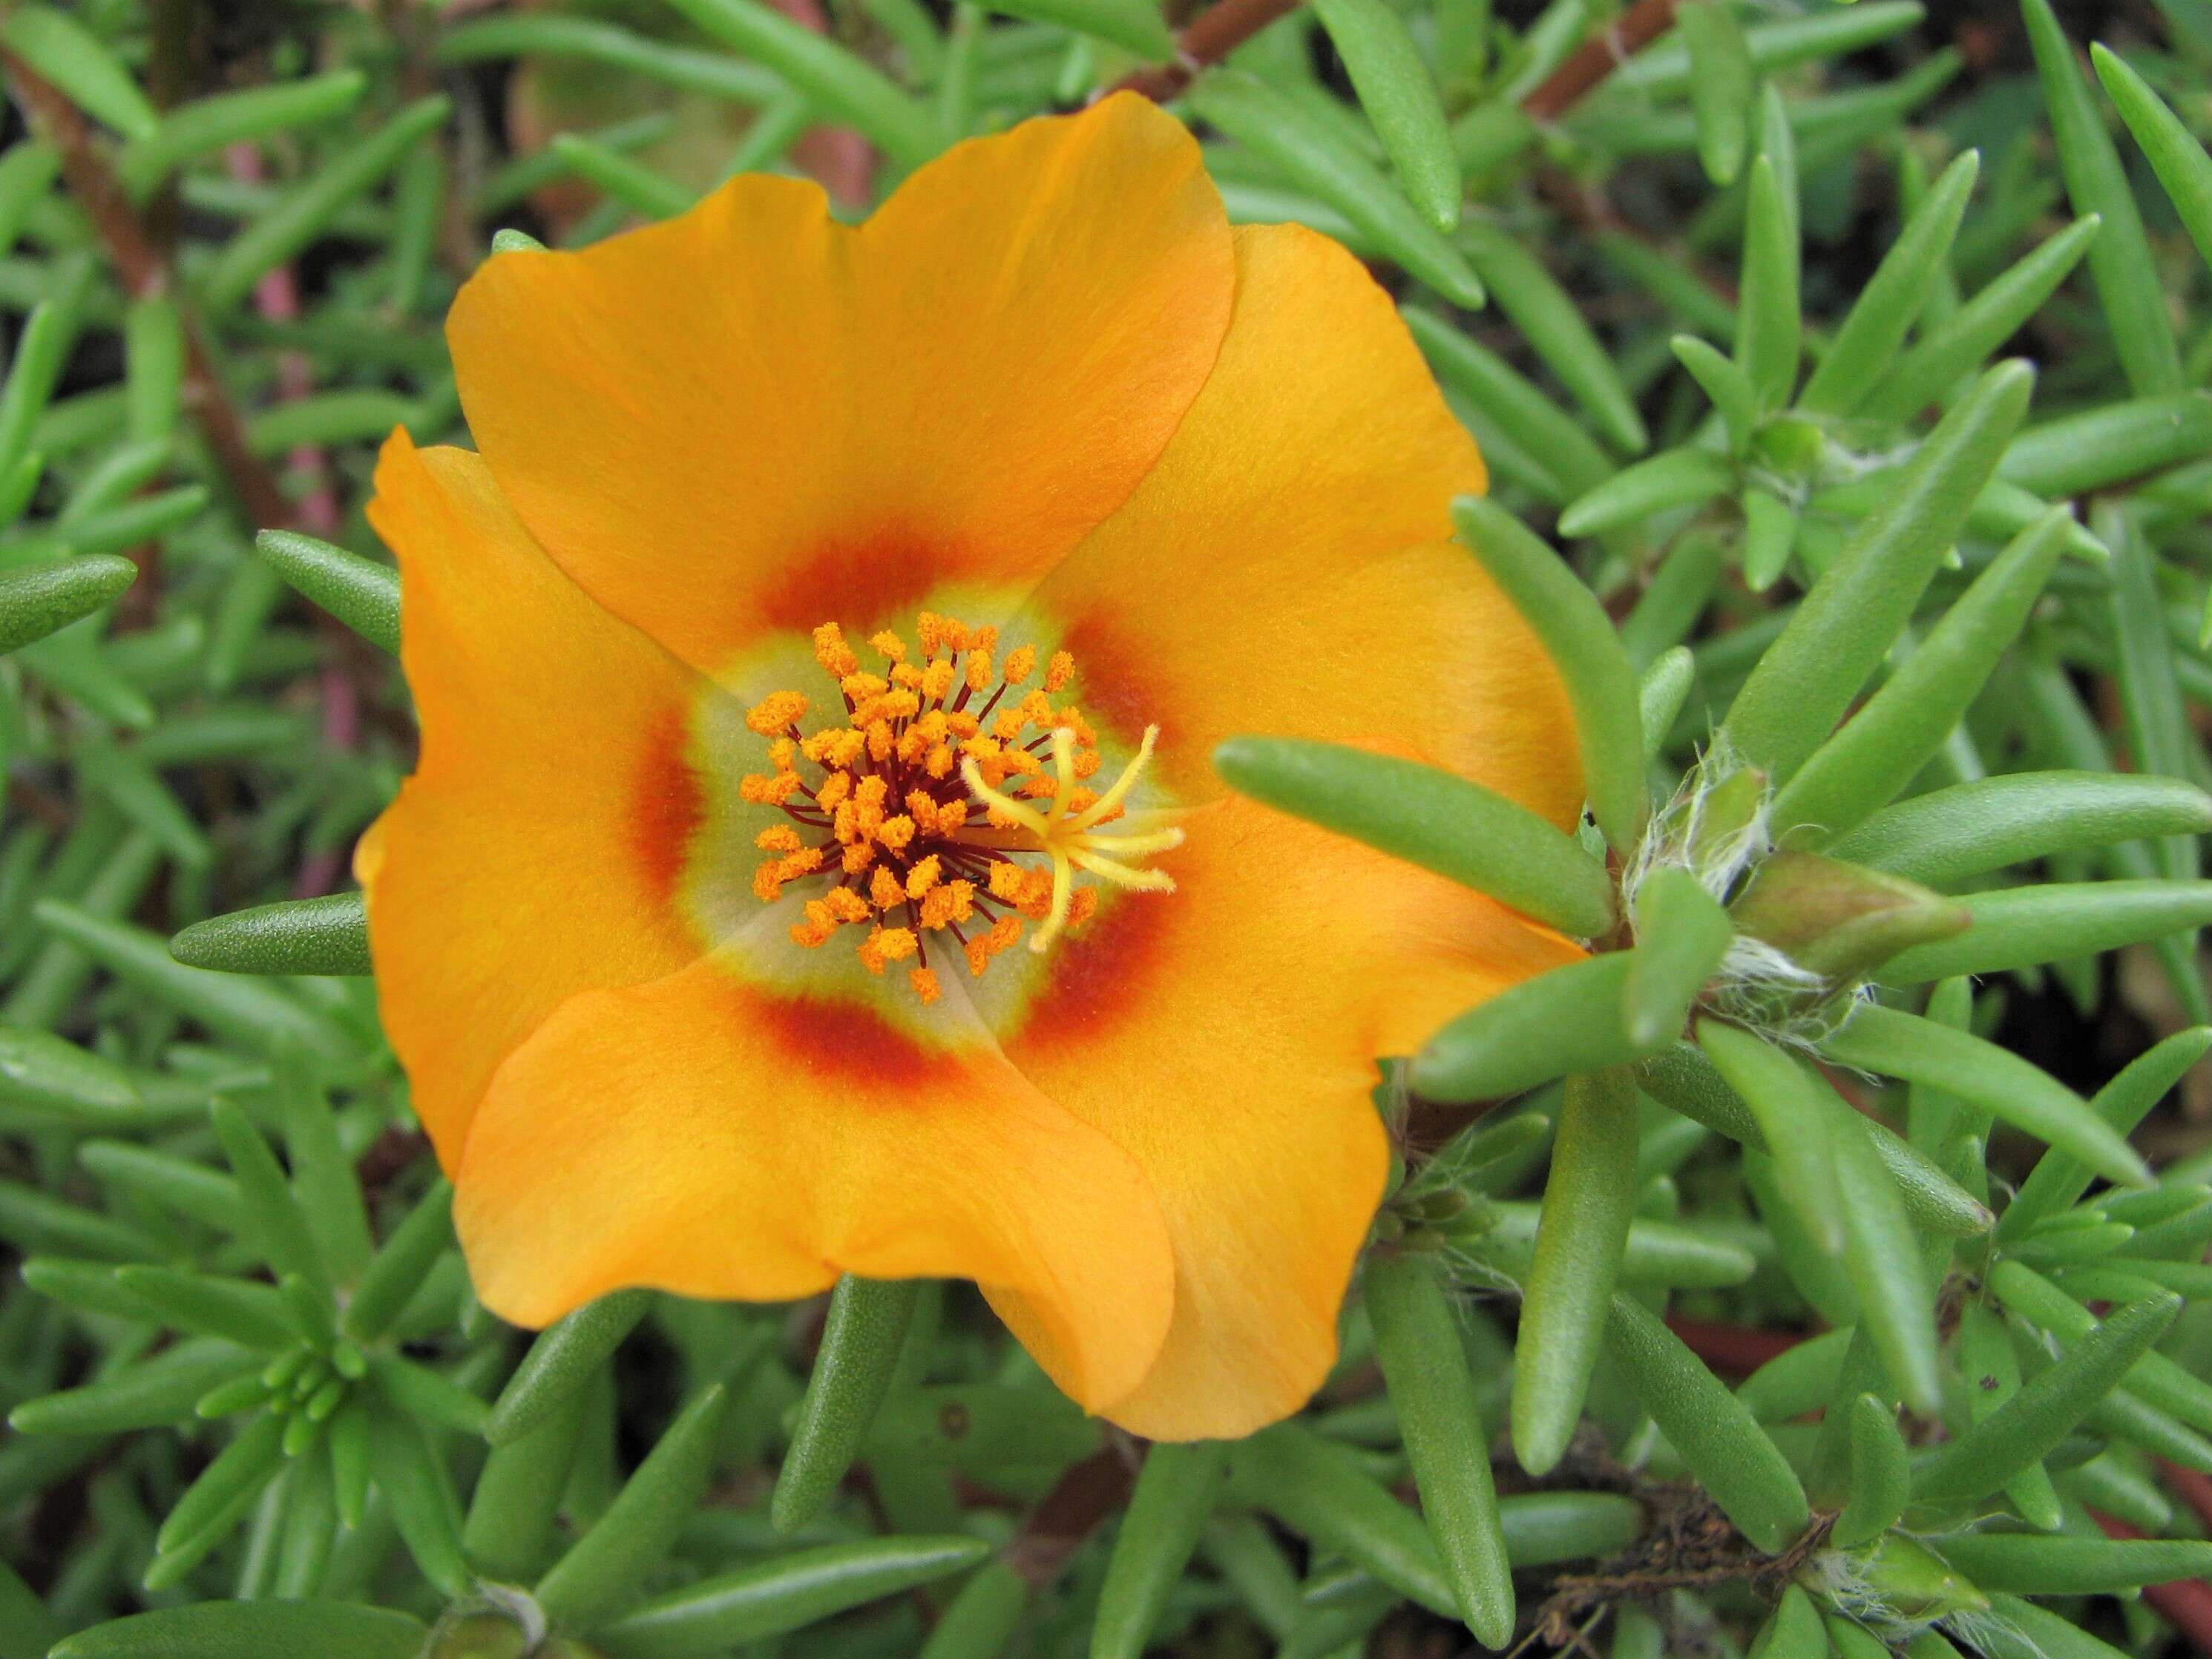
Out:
{"x": 710, "y": 1137}
{"x": 532, "y": 853}
{"x": 1286, "y": 567}
{"x": 1224, "y": 1035}
{"x": 750, "y": 415}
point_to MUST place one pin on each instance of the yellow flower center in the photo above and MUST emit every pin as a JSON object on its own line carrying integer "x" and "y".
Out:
{"x": 949, "y": 801}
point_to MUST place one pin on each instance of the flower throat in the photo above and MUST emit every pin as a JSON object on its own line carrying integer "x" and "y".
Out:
{"x": 949, "y": 801}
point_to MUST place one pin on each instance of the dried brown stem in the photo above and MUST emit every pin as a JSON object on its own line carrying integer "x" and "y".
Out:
{"x": 1691, "y": 1545}
{"x": 144, "y": 272}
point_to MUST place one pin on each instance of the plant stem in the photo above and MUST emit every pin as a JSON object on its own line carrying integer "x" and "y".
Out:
{"x": 1605, "y": 51}
{"x": 1220, "y": 29}
{"x": 145, "y": 272}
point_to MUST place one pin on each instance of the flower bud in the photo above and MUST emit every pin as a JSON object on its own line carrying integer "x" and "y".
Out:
{"x": 1841, "y": 920}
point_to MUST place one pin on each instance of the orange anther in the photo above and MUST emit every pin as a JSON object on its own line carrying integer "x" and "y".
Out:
{"x": 883, "y": 890}
{"x": 761, "y": 789}
{"x": 775, "y": 712}
{"x": 832, "y": 653}
{"x": 887, "y": 945}
{"x": 953, "y": 902}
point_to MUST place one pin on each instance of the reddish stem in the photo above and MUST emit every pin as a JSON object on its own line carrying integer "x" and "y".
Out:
{"x": 1079, "y": 1501}
{"x": 1206, "y": 40}
{"x": 2191, "y": 1487}
{"x": 144, "y": 271}
{"x": 2185, "y": 1603}
{"x": 1738, "y": 1350}
{"x": 1598, "y": 57}
{"x": 277, "y": 297}
{"x": 1220, "y": 29}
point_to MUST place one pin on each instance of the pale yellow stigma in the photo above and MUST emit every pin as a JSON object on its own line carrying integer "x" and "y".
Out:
{"x": 1071, "y": 838}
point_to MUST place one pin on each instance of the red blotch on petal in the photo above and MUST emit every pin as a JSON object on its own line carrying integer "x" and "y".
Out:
{"x": 667, "y": 807}
{"x": 1096, "y": 979}
{"x": 858, "y": 581}
{"x": 1122, "y": 687}
{"x": 846, "y": 1042}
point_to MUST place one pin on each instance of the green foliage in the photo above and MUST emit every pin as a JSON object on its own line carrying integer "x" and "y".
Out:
{"x": 1844, "y": 390}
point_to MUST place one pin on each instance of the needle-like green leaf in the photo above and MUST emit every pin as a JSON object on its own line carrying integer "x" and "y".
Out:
{"x": 253, "y": 1629}
{"x": 362, "y": 594}
{"x": 2121, "y": 263}
{"x": 2034, "y": 1422}
{"x": 1581, "y": 639}
{"x": 1432, "y": 818}
{"x": 1844, "y": 627}
{"x": 73, "y": 58}
{"x": 1175, "y": 1494}
{"x": 861, "y": 1342}
{"x": 563, "y": 1360}
{"x": 1588, "y": 1199}
{"x": 36, "y": 601}
{"x": 784, "y": 1593}
{"x": 1768, "y": 333}
{"x": 1951, "y": 835}
{"x": 1867, "y": 342}
{"x": 1900, "y": 729}
{"x": 1789, "y": 1106}
{"x": 1315, "y": 157}
{"x": 1723, "y": 1442}
{"x": 1538, "y": 1030}
{"x": 1417, "y": 1341}
{"x": 838, "y": 82}
{"x": 1553, "y": 326}
{"x": 1677, "y": 478}
{"x": 1881, "y": 1475}
{"x": 1721, "y": 77}
{"x": 604, "y": 1568}
{"x": 1682, "y": 933}
{"x": 1400, "y": 102}
{"x": 1896, "y": 1044}
{"x": 301, "y": 936}
{"x": 306, "y": 211}
{"x": 2020, "y": 926}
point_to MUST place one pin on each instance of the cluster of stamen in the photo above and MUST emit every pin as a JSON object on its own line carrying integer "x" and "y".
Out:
{"x": 923, "y": 812}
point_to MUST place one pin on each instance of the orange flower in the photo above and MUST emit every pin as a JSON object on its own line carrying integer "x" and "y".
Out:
{"x": 834, "y": 616}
